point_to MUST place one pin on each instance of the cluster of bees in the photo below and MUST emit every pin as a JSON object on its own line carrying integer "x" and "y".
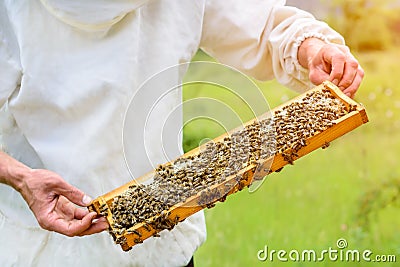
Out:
{"x": 285, "y": 132}
{"x": 297, "y": 122}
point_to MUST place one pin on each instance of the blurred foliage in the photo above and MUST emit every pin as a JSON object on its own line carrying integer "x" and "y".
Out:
{"x": 385, "y": 195}
{"x": 366, "y": 24}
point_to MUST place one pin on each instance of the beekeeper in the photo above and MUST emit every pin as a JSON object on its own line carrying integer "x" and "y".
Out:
{"x": 67, "y": 72}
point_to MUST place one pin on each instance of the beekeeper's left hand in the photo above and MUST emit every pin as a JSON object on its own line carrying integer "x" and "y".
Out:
{"x": 331, "y": 62}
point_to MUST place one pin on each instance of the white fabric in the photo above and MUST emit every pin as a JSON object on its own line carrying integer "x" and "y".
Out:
{"x": 67, "y": 72}
{"x": 261, "y": 38}
{"x": 91, "y": 15}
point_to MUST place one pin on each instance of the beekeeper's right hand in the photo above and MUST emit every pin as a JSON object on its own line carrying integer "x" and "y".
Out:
{"x": 54, "y": 202}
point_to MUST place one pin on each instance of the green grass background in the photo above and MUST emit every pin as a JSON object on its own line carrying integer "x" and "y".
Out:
{"x": 347, "y": 191}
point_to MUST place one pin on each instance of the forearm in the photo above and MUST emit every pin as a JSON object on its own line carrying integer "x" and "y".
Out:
{"x": 12, "y": 172}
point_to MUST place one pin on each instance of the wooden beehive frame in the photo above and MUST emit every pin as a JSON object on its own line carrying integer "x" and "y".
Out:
{"x": 255, "y": 171}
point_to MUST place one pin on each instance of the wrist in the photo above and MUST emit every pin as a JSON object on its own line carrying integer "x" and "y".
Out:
{"x": 12, "y": 172}
{"x": 308, "y": 49}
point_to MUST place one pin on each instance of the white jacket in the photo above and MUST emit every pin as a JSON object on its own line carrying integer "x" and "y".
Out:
{"x": 68, "y": 69}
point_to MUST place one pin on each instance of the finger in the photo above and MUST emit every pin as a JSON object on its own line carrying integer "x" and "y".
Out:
{"x": 337, "y": 60}
{"x": 80, "y": 213}
{"x": 76, "y": 227}
{"x": 73, "y": 227}
{"x": 350, "y": 73}
{"x": 73, "y": 194}
{"x": 66, "y": 207}
{"x": 96, "y": 227}
{"x": 352, "y": 89}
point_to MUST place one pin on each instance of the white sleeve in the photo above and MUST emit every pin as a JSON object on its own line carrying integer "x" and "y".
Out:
{"x": 10, "y": 67}
{"x": 261, "y": 38}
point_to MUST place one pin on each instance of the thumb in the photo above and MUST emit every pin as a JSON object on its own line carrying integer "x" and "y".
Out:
{"x": 73, "y": 194}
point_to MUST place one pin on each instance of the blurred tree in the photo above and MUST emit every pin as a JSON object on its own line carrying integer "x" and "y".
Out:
{"x": 366, "y": 24}
{"x": 376, "y": 200}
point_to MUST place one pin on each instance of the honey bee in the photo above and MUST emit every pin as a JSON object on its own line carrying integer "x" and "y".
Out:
{"x": 325, "y": 145}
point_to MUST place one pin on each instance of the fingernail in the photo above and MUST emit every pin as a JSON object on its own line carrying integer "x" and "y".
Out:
{"x": 86, "y": 200}
{"x": 335, "y": 81}
{"x": 348, "y": 94}
{"x": 98, "y": 220}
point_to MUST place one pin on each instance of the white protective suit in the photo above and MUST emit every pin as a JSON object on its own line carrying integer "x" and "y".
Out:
{"x": 68, "y": 69}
